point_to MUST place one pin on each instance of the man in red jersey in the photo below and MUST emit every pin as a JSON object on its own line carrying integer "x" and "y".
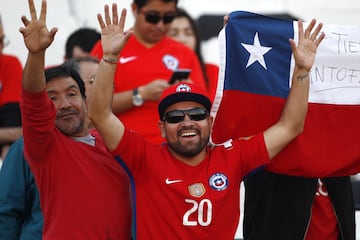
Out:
{"x": 10, "y": 85}
{"x": 146, "y": 64}
{"x": 186, "y": 189}
{"x": 84, "y": 192}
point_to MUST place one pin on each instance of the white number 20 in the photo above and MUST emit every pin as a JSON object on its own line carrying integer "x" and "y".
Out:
{"x": 199, "y": 208}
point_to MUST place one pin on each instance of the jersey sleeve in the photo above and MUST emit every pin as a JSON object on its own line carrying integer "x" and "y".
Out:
{"x": 251, "y": 152}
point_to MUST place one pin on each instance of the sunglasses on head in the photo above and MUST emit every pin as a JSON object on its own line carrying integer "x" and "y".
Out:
{"x": 154, "y": 17}
{"x": 176, "y": 116}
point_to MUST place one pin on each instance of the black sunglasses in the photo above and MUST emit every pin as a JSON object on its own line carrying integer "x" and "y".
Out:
{"x": 154, "y": 17}
{"x": 176, "y": 116}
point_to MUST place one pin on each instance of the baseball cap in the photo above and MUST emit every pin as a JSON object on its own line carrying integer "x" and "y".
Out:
{"x": 183, "y": 92}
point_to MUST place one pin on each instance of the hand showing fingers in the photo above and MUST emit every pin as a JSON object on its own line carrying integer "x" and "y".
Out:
{"x": 113, "y": 37}
{"x": 309, "y": 40}
{"x": 36, "y": 35}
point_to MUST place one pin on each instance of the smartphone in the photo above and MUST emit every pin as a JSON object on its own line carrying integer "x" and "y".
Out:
{"x": 179, "y": 74}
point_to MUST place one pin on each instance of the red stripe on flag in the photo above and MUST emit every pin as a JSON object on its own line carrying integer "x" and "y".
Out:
{"x": 329, "y": 145}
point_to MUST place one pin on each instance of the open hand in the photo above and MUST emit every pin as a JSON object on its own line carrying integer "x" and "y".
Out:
{"x": 36, "y": 35}
{"x": 309, "y": 41}
{"x": 113, "y": 37}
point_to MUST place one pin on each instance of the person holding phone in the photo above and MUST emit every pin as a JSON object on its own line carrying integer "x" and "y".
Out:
{"x": 146, "y": 65}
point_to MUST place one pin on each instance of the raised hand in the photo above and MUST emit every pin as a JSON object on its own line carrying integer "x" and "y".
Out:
{"x": 37, "y": 37}
{"x": 113, "y": 37}
{"x": 305, "y": 52}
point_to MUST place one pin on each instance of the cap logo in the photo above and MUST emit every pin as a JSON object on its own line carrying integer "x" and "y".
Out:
{"x": 183, "y": 88}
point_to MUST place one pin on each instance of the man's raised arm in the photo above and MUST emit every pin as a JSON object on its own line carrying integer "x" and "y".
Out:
{"x": 113, "y": 40}
{"x": 37, "y": 39}
{"x": 292, "y": 119}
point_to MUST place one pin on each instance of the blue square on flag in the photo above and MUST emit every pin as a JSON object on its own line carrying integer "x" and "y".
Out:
{"x": 258, "y": 54}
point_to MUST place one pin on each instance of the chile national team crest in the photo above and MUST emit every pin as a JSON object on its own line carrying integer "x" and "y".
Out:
{"x": 218, "y": 181}
{"x": 170, "y": 62}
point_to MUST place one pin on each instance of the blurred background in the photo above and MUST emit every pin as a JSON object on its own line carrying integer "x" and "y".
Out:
{"x": 68, "y": 15}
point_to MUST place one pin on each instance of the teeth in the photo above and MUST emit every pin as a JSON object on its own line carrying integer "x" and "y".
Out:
{"x": 187, "y": 134}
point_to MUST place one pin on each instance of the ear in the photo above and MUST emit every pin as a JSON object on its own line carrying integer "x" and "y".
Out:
{"x": 211, "y": 122}
{"x": 161, "y": 125}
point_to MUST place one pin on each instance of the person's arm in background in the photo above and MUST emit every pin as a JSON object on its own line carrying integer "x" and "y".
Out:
{"x": 122, "y": 101}
{"x": 100, "y": 111}
{"x": 20, "y": 213}
{"x": 292, "y": 119}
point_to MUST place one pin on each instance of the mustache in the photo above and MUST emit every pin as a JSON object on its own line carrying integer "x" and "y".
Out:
{"x": 187, "y": 128}
{"x": 66, "y": 112}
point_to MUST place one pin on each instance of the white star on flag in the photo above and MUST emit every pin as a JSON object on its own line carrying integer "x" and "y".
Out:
{"x": 256, "y": 51}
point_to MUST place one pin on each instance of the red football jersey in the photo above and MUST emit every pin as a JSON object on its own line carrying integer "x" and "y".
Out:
{"x": 178, "y": 201}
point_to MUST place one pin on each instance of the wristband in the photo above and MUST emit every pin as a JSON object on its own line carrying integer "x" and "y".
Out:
{"x": 110, "y": 60}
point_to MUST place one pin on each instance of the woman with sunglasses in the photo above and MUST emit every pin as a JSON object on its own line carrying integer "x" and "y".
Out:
{"x": 185, "y": 189}
{"x": 146, "y": 64}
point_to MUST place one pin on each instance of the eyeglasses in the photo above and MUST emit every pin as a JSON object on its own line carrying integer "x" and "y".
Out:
{"x": 176, "y": 116}
{"x": 154, "y": 17}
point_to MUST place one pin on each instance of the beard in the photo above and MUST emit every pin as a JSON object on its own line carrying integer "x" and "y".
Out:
{"x": 71, "y": 126}
{"x": 189, "y": 149}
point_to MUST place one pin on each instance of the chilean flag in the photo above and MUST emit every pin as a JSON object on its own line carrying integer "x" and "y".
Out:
{"x": 256, "y": 66}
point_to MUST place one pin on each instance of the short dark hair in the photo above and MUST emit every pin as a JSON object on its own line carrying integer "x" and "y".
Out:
{"x": 84, "y": 38}
{"x": 142, "y": 3}
{"x": 66, "y": 70}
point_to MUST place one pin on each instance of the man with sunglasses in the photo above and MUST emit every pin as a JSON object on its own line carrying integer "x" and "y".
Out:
{"x": 184, "y": 188}
{"x": 10, "y": 85}
{"x": 146, "y": 64}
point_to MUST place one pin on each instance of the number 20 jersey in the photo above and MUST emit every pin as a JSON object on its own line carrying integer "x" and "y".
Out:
{"x": 174, "y": 200}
